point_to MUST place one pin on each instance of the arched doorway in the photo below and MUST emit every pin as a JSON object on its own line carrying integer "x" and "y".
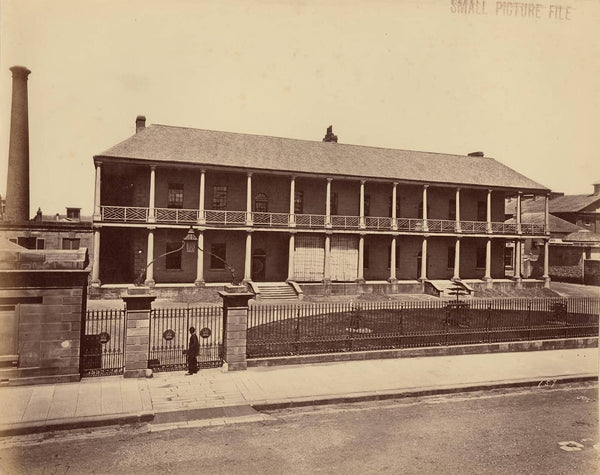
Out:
{"x": 259, "y": 265}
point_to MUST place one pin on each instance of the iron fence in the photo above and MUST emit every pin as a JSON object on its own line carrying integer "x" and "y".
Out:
{"x": 102, "y": 344}
{"x": 296, "y": 329}
{"x": 169, "y": 337}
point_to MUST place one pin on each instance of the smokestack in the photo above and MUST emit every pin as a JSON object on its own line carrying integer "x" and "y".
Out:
{"x": 17, "y": 189}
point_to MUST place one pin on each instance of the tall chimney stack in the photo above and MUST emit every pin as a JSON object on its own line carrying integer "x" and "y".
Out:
{"x": 17, "y": 189}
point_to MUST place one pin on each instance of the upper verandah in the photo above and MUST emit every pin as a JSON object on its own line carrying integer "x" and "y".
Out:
{"x": 180, "y": 145}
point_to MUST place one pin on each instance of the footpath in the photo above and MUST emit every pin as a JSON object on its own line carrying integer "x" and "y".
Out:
{"x": 211, "y": 397}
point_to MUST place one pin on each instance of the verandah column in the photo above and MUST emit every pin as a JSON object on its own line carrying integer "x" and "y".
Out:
{"x": 457, "y": 211}
{"x": 546, "y": 275}
{"x": 291, "y": 263}
{"x": 519, "y": 212}
{"x": 97, "y": 191}
{"x": 96, "y": 260}
{"x": 547, "y": 214}
{"x": 517, "y": 276}
{"x": 362, "y": 204}
{"x": 326, "y": 260}
{"x": 360, "y": 278}
{"x": 328, "y": 203}
{"x": 456, "y": 275}
{"x": 292, "y": 218}
{"x": 248, "y": 258}
{"x": 488, "y": 214}
{"x": 149, "y": 258}
{"x": 393, "y": 258}
{"x": 425, "y": 225}
{"x": 423, "y": 275}
{"x": 394, "y": 210}
{"x": 488, "y": 263}
{"x": 201, "y": 213}
{"x": 151, "y": 199}
{"x": 199, "y": 282}
{"x": 249, "y": 199}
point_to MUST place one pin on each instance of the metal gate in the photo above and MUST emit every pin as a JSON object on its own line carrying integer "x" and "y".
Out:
{"x": 169, "y": 337}
{"x": 102, "y": 344}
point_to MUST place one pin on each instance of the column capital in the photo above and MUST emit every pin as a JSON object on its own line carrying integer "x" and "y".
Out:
{"x": 202, "y": 170}
{"x": 395, "y": 183}
{"x": 249, "y": 174}
{"x": 293, "y": 177}
{"x": 98, "y": 163}
{"x": 362, "y": 182}
{"x": 329, "y": 179}
{"x": 458, "y": 188}
{"x": 520, "y": 193}
{"x": 425, "y": 186}
{"x": 490, "y": 190}
{"x": 153, "y": 167}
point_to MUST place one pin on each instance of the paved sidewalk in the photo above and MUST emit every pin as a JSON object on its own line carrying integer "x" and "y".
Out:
{"x": 214, "y": 394}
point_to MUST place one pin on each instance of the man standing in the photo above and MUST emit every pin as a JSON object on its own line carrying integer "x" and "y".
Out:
{"x": 192, "y": 353}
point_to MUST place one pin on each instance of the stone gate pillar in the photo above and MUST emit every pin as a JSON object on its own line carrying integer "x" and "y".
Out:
{"x": 235, "y": 325}
{"x": 137, "y": 332}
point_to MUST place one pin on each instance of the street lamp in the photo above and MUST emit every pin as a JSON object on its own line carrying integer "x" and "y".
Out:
{"x": 189, "y": 243}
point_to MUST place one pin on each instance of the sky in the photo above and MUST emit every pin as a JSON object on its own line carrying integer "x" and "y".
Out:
{"x": 521, "y": 85}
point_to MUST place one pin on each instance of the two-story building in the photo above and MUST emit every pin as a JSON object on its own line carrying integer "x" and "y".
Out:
{"x": 279, "y": 209}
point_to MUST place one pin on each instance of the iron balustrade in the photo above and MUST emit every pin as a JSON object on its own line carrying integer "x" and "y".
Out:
{"x": 236, "y": 218}
{"x": 345, "y": 222}
{"x": 124, "y": 214}
{"x": 374, "y": 222}
{"x": 271, "y": 219}
{"x": 176, "y": 215}
{"x": 295, "y": 329}
{"x": 310, "y": 220}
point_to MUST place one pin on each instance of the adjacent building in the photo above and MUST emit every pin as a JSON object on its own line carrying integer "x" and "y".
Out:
{"x": 277, "y": 209}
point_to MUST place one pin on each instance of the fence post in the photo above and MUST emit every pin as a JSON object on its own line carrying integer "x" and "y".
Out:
{"x": 138, "y": 305}
{"x": 447, "y": 323}
{"x": 297, "y": 330}
{"x": 235, "y": 326}
{"x": 401, "y": 327}
{"x": 489, "y": 323}
{"x": 529, "y": 319}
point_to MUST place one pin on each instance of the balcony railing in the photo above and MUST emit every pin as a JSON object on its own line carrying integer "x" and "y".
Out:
{"x": 124, "y": 214}
{"x": 173, "y": 215}
{"x": 313, "y": 221}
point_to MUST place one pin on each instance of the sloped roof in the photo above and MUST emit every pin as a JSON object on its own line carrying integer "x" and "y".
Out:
{"x": 582, "y": 236}
{"x": 560, "y": 204}
{"x": 160, "y": 143}
{"x": 556, "y": 224}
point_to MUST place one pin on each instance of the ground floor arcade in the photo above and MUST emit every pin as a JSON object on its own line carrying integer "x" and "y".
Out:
{"x": 127, "y": 254}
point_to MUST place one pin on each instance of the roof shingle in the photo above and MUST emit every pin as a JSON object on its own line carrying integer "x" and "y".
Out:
{"x": 160, "y": 143}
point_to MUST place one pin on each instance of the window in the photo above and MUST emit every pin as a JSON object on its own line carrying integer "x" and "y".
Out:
{"x": 175, "y": 199}
{"x": 27, "y": 242}
{"x": 367, "y": 205}
{"x": 480, "y": 258}
{"x": 41, "y": 243}
{"x": 70, "y": 243}
{"x": 73, "y": 213}
{"x": 298, "y": 202}
{"x": 508, "y": 257}
{"x": 481, "y": 211}
{"x": 451, "y": 256}
{"x": 366, "y": 256}
{"x": 173, "y": 260}
{"x": 219, "y": 197}
{"x": 261, "y": 203}
{"x": 452, "y": 209}
{"x": 334, "y": 203}
{"x": 217, "y": 249}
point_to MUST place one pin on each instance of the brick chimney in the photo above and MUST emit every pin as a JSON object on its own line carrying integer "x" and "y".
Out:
{"x": 597, "y": 189}
{"x": 476, "y": 154}
{"x": 17, "y": 189}
{"x": 140, "y": 123}
{"x": 329, "y": 136}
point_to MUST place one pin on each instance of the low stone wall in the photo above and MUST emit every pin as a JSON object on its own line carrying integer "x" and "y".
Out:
{"x": 368, "y": 288}
{"x": 559, "y": 344}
